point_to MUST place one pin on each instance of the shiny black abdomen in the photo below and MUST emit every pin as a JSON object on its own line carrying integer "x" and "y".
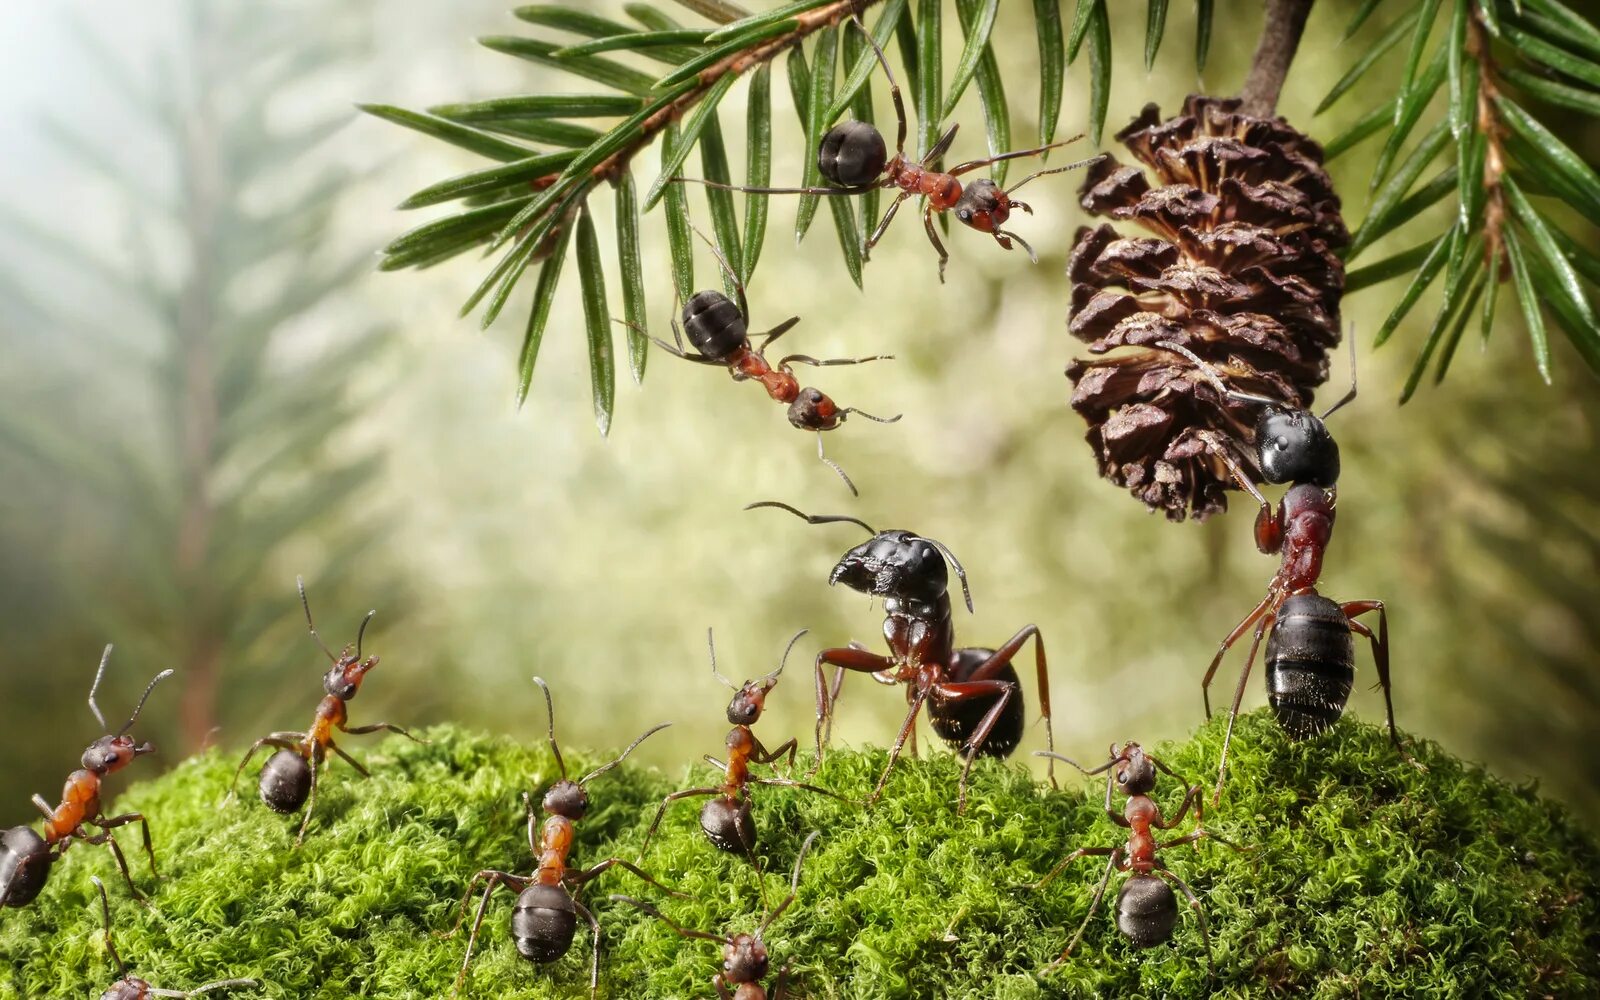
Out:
{"x": 852, "y": 154}
{"x": 714, "y": 325}
{"x": 955, "y": 721}
{"x": 1146, "y": 910}
{"x": 728, "y": 823}
{"x": 543, "y": 923}
{"x": 1310, "y": 665}
{"x": 285, "y": 781}
{"x": 25, "y": 861}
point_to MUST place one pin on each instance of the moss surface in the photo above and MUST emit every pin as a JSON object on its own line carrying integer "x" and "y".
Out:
{"x": 1369, "y": 879}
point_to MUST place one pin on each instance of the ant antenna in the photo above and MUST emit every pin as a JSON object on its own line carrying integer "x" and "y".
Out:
{"x": 728, "y": 274}
{"x": 1062, "y": 757}
{"x": 830, "y": 463}
{"x": 712, "y": 645}
{"x": 603, "y": 768}
{"x": 867, "y": 416}
{"x": 688, "y": 932}
{"x": 99, "y": 717}
{"x": 105, "y": 912}
{"x": 811, "y": 518}
{"x": 1352, "y": 393}
{"x": 1215, "y": 378}
{"x": 300, "y": 582}
{"x": 550, "y": 710}
{"x": 1026, "y": 246}
{"x": 144, "y": 698}
{"x": 362, "y": 631}
{"x": 786, "y": 650}
{"x": 960, "y": 572}
{"x": 1057, "y": 170}
{"x": 794, "y": 884}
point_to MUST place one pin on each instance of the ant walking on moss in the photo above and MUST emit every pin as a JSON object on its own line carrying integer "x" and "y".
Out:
{"x": 131, "y": 987}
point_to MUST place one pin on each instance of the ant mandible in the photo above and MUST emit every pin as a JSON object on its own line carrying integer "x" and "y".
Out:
{"x": 131, "y": 987}
{"x": 973, "y": 694}
{"x": 25, "y": 857}
{"x": 744, "y": 956}
{"x": 1147, "y": 910}
{"x": 726, "y": 819}
{"x": 1310, "y": 655}
{"x": 289, "y": 778}
{"x": 545, "y": 918}
{"x": 718, "y": 329}
{"x": 854, "y": 155}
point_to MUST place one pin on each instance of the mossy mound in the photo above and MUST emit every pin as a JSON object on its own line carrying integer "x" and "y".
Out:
{"x": 1368, "y": 878}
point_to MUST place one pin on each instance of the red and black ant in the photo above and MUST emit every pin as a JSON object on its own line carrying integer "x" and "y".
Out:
{"x": 131, "y": 987}
{"x": 718, "y": 329}
{"x": 853, "y": 154}
{"x": 25, "y": 857}
{"x": 1147, "y": 910}
{"x": 727, "y": 819}
{"x": 1310, "y": 656}
{"x": 289, "y": 778}
{"x": 545, "y": 918}
{"x": 744, "y": 956}
{"x": 974, "y": 696}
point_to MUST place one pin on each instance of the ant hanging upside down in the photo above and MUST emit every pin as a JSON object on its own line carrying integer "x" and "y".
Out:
{"x": 25, "y": 857}
{"x": 1310, "y": 657}
{"x": 974, "y": 696}
{"x": 853, "y": 154}
{"x": 719, "y": 331}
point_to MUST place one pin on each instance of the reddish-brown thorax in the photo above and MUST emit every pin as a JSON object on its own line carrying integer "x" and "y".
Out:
{"x": 941, "y": 190}
{"x": 555, "y": 841}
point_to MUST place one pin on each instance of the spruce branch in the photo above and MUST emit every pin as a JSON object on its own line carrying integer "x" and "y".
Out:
{"x": 1280, "y": 38}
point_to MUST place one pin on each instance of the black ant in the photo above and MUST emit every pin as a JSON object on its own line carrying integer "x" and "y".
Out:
{"x": 1147, "y": 910}
{"x": 718, "y": 330}
{"x": 25, "y": 857}
{"x": 545, "y": 918}
{"x": 744, "y": 956}
{"x": 131, "y": 987}
{"x": 853, "y": 154}
{"x": 726, "y": 819}
{"x": 289, "y": 778}
{"x": 973, "y": 694}
{"x": 1310, "y": 656}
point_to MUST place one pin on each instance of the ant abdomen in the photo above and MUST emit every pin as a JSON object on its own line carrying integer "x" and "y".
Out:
{"x": 714, "y": 325}
{"x": 25, "y": 861}
{"x": 728, "y": 824}
{"x": 544, "y": 923}
{"x": 1310, "y": 665}
{"x": 852, "y": 154}
{"x": 285, "y": 781}
{"x": 1294, "y": 446}
{"x": 1147, "y": 911}
{"x": 955, "y": 721}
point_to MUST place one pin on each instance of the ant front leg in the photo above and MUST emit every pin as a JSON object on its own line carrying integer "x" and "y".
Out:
{"x": 722, "y": 987}
{"x": 283, "y": 741}
{"x": 1060, "y": 866}
{"x": 762, "y": 755}
{"x": 845, "y": 658}
{"x": 579, "y": 878}
{"x": 1002, "y": 656}
{"x": 1112, "y": 863}
{"x": 1191, "y": 796}
{"x": 958, "y": 691}
{"x": 1238, "y": 697}
{"x": 376, "y": 726}
{"x": 933, "y": 237}
{"x": 1269, "y": 522}
{"x": 1380, "y": 657}
{"x": 907, "y": 729}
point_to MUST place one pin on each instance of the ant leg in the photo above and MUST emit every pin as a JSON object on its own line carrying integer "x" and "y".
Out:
{"x": 933, "y": 237}
{"x": 1002, "y": 656}
{"x": 1269, "y": 523}
{"x": 764, "y": 756}
{"x": 894, "y": 86}
{"x": 144, "y": 829}
{"x": 845, "y": 658}
{"x": 806, "y": 359}
{"x": 1115, "y": 861}
{"x": 1199, "y": 912}
{"x": 1238, "y": 697}
{"x": 1197, "y": 835}
{"x": 907, "y": 728}
{"x": 830, "y": 463}
{"x": 961, "y": 691}
{"x": 275, "y": 740}
{"x": 1017, "y": 154}
{"x": 675, "y": 796}
{"x": 40, "y": 804}
{"x": 1222, "y": 650}
{"x": 594, "y": 949}
{"x": 311, "y": 800}
{"x": 122, "y": 862}
{"x": 1191, "y": 792}
{"x": 722, "y": 988}
{"x": 790, "y": 783}
{"x": 579, "y": 878}
{"x": 935, "y": 154}
{"x": 883, "y": 225}
{"x": 221, "y": 984}
{"x": 350, "y": 760}
{"x": 1380, "y": 656}
{"x": 775, "y": 333}
{"x": 1082, "y": 852}
{"x": 376, "y": 726}
{"x": 781, "y": 989}
{"x": 494, "y": 878}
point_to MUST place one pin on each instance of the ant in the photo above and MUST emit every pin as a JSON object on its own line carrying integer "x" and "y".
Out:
{"x": 289, "y": 778}
{"x": 546, "y": 914}
{"x": 744, "y": 956}
{"x": 131, "y": 987}
{"x": 726, "y": 819}
{"x": 26, "y": 858}
{"x": 1310, "y": 655}
{"x": 854, "y": 156}
{"x": 718, "y": 330}
{"x": 974, "y": 696}
{"x": 1147, "y": 910}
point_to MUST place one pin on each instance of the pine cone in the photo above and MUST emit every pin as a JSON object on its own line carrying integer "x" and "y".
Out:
{"x": 1240, "y": 270}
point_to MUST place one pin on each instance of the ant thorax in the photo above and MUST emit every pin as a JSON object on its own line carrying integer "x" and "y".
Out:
{"x": 1307, "y": 519}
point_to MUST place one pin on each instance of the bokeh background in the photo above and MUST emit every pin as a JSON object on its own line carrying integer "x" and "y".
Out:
{"x": 206, "y": 389}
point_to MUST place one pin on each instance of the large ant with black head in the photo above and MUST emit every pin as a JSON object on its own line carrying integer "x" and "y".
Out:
{"x": 726, "y": 819}
{"x": 973, "y": 695}
{"x": 547, "y": 909}
{"x": 718, "y": 330}
{"x": 25, "y": 857}
{"x": 745, "y": 962}
{"x": 289, "y": 778}
{"x": 1147, "y": 910}
{"x": 853, "y": 154}
{"x": 1310, "y": 656}
{"x": 131, "y": 987}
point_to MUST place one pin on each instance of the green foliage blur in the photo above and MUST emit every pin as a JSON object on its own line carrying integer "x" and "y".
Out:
{"x": 395, "y": 471}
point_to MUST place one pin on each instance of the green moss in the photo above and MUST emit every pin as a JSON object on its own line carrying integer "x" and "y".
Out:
{"x": 1369, "y": 878}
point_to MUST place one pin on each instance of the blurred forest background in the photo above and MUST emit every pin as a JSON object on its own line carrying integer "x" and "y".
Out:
{"x": 205, "y": 389}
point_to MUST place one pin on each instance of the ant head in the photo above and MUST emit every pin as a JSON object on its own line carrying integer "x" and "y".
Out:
{"x": 343, "y": 679}
{"x": 1294, "y": 446}
{"x": 714, "y": 325}
{"x": 1135, "y": 774}
{"x": 852, "y": 154}
{"x": 1147, "y": 911}
{"x": 744, "y": 959}
{"x": 812, "y": 410}
{"x": 900, "y": 565}
{"x": 113, "y": 753}
{"x": 983, "y": 205}
{"x": 566, "y": 798}
{"x": 750, "y": 697}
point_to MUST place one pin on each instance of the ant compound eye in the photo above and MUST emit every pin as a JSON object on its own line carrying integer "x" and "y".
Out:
{"x": 1281, "y": 443}
{"x": 965, "y": 215}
